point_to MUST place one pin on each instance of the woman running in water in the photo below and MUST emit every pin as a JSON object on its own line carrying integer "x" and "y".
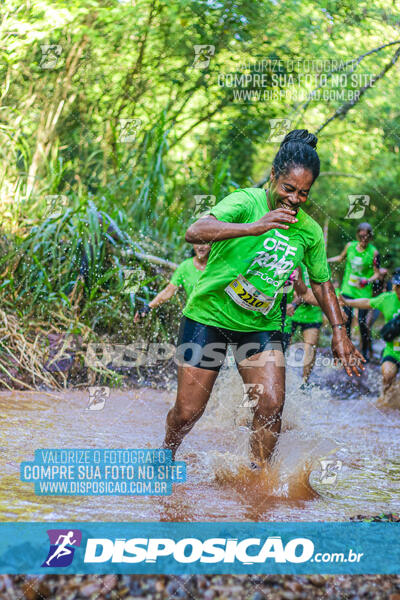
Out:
{"x": 186, "y": 275}
{"x": 259, "y": 237}
{"x": 389, "y": 304}
{"x": 360, "y": 271}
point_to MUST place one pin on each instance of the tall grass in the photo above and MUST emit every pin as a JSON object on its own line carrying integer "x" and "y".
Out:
{"x": 72, "y": 267}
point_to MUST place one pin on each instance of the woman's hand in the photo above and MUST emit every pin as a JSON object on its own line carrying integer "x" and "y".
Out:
{"x": 141, "y": 313}
{"x": 343, "y": 301}
{"x": 280, "y": 218}
{"x": 344, "y": 351}
{"x": 290, "y": 310}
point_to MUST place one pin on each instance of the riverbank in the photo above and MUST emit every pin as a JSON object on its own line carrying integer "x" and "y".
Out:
{"x": 135, "y": 417}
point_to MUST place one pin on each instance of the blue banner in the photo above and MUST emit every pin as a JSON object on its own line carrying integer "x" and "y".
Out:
{"x": 191, "y": 548}
{"x": 103, "y": 472}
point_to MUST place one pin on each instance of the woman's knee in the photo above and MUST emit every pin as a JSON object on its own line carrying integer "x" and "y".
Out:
{"x": 389, "y": 372}
{"x": 269, "y": 405}
{"x": 185, "y": 416}
{"x": 388, "y": 378}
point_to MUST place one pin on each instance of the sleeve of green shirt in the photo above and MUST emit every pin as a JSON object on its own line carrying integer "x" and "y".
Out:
{"x": 316, "y": 261}
{"x": 232, "y": 208}
{"x": 378, "y": 301}
{"x": 177, "y": 276}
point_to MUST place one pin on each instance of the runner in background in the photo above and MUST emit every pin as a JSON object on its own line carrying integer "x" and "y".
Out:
{"x": 302, "y": 296}
{"x": 360, "y": 271}
{"x": 302, "y": 293}
{"x": 378, "y": 287}
{"x": 309, "y": 319}
{"x": 186, "y": 275}
{"x": 287, "y": 312}
{"x": 389, "y": 304}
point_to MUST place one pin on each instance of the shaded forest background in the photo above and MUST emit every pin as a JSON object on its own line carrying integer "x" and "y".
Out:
{"x": 132, "y": 114}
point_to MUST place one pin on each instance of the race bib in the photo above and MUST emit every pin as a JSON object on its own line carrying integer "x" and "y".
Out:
{"x": 247, "y": 296}
{"x": 354, "y": 280}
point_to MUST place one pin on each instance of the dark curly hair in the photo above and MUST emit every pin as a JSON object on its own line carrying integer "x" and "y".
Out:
{"x": 297, "y": 150}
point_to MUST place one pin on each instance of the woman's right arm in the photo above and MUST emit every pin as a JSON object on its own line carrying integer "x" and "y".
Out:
{"x": 209, "y": 229}
{"x": 340, "y": 257}
{"x": 161, "y": 297}
{"x": 364, "y": 303}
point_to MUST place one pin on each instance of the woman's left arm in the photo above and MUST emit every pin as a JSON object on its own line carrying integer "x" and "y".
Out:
{"x": 376, "y": 274}
{"x": 342, "y": 347}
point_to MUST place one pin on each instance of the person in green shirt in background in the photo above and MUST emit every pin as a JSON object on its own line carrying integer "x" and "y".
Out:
{"x": 186, "y": 275}
{"x": 258, "y": 238}
{"x": 298, "y": 298}
{"x": 298, "y": 293}
{"x": 287, "y": 311}
{"x": 360, "y": 271}
{"x": 389, "y": 305}
{"x": 309, "y": 319}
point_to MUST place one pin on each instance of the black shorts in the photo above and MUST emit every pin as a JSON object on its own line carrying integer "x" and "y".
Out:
{"x": 205, "y": 346}
{"x": 303, "y": 326}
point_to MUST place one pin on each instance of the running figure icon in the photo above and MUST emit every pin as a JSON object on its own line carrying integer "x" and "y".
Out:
{"x": 63, "y": 543}
{"x": 62, "y": 549}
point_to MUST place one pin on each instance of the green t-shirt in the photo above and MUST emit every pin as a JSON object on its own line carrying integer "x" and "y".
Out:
{"x": 186, "y": 275}
{"x": 389, "y": 305}
{"x": 358, "y": 265}
{"x": 265, "y": 261}
{"x": 307, "y": 313}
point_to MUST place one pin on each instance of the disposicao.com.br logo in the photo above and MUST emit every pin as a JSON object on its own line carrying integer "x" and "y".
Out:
{"x": 62, "y": 547}
{"x": 213, "y": 550}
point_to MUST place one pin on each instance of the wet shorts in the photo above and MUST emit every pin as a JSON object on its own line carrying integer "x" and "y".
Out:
{"x": 303, "y": 326}
{"x": 205, "y": 346}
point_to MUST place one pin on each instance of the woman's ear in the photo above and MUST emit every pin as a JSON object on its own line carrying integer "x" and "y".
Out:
{"x": 272, "y": 174}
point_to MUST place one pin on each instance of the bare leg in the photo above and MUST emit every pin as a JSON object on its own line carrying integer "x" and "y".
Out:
{"x": 194, "y": 389}
{"x": 389, "y": 372}
{"x": 266, "y": 369}
{"x": 311, "y": 338}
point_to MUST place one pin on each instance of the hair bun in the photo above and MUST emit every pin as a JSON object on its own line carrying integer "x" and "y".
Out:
{"x": 301, "y": 136}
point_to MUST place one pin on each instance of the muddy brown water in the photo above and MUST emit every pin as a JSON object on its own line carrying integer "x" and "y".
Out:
{"x": 360, "y": 441}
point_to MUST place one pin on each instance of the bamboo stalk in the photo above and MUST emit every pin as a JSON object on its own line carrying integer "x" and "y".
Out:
{"x": 156, "y": 260}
